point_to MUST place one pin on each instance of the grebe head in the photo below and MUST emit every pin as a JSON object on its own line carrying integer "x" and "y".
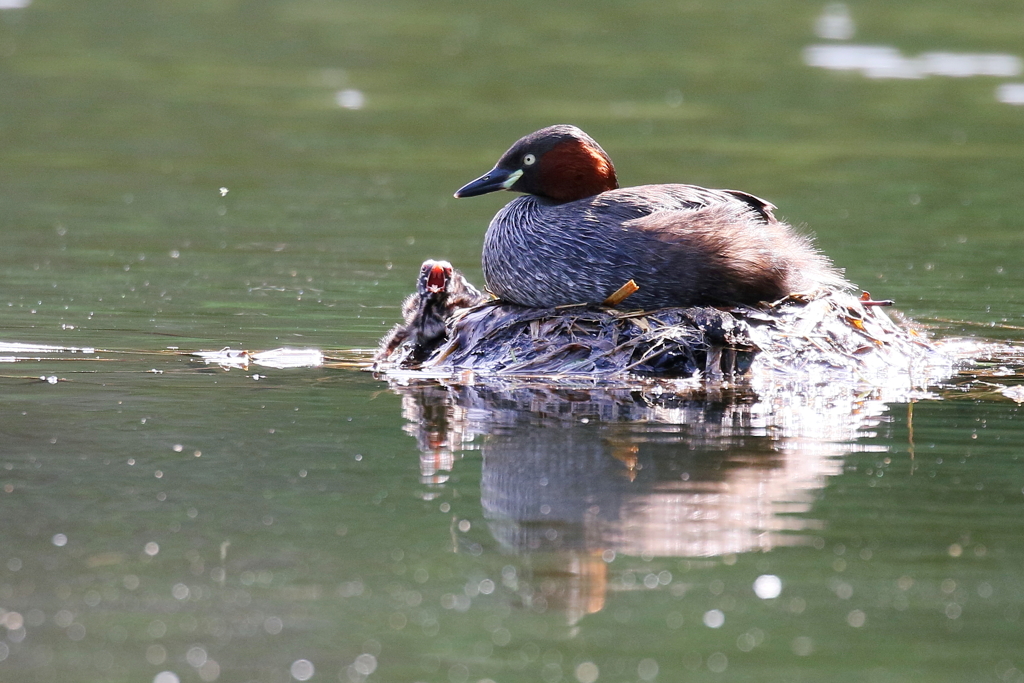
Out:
{"x": 435, "y": 277}
{"x": 561, "y": 163}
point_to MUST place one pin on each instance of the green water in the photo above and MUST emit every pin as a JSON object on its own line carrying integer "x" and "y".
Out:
{"x": 258, "y": 174}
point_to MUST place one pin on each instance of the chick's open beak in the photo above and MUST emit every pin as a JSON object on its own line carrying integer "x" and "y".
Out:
{"x": 437, "y": 279}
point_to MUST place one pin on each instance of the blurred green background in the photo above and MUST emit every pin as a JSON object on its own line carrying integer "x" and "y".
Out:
{"x": 257, "y": 173}
{"x": 122, "y": 121}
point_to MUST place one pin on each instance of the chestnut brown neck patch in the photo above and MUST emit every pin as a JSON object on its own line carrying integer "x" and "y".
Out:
{"x": 574, "y": 170}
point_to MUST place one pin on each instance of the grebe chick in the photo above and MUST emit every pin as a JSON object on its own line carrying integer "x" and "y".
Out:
{"x": 440, "y": 291}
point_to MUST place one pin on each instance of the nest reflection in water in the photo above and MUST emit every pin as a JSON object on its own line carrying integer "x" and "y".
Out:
{"x": 574, "y": 476}
{"x": 683, "y": 432}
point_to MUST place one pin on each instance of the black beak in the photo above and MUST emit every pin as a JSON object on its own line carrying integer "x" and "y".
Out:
{"x": 494, "y": 180}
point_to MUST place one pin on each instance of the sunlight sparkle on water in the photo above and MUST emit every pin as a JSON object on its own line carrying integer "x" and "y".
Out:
{"x": 835, "y": 22}
{"x": 12, "y": 621}
{"x": 350, "y": 99}
{"x": 1011, "y": 93}
{"x": 767, "y": 586}
{"x": 884, "y": 61}
{"x": 587, "y": 672}
{"x": 209, "y": 671}
{"x": 302, "y": 669}
{"x": 714, "y": 618}
{"x": 196, "y": 657}
{"x": 364, "y": 665}
{"x": 156, "y": 654}
{"x": 273, "y": 625}
{"x": 802, "y": 646}
{"x": 647, "y": 670}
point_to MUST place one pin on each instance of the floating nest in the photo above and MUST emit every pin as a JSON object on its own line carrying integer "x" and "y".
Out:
{"x": 824, "y": 332}
{"x": 675, "y": 342}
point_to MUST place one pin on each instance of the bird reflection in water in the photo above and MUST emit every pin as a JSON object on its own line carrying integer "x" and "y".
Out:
{"x": 573, "y": 477}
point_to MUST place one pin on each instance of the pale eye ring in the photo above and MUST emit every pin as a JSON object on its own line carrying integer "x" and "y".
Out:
{"x": 529, "y": 160}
